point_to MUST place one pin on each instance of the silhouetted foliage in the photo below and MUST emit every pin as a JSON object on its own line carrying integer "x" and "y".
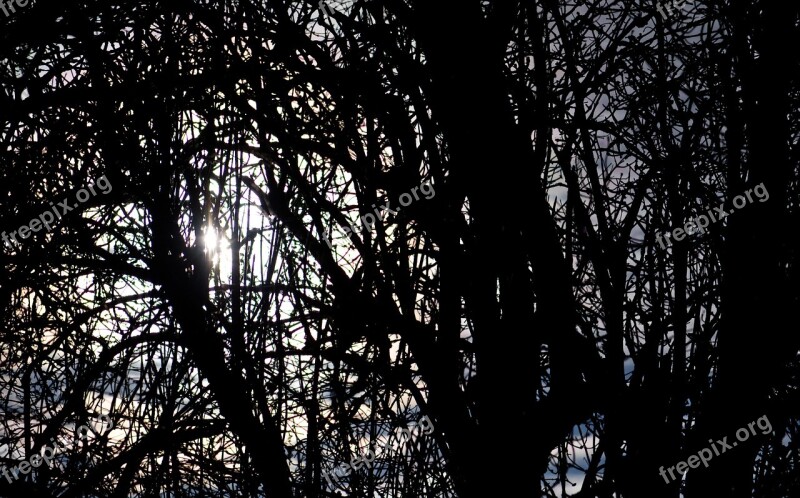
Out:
{"x": 323, "y": 225}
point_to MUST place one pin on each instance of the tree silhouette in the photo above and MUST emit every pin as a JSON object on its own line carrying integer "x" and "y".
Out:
{"x": 326, "y": 224}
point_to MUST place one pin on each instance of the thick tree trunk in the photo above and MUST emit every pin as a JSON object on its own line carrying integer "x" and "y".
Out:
{"x": 493, "y": 166}
{"x": 753, "y": 345}
{"x": 187, "y": 296}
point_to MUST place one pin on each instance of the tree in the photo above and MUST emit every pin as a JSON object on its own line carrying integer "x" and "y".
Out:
{"x": 327, "y": 224}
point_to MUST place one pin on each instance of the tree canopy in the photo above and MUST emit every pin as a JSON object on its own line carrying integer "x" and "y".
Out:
{"x": 283, "y": 232}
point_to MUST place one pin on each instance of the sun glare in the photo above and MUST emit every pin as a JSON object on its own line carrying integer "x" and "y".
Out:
{"x": 210, "y": 240}
{"x": 217, "y": 250}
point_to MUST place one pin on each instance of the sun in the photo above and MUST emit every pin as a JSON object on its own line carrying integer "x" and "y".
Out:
{"x": 210, "y": 241}
{"x": 218, "y": 251}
